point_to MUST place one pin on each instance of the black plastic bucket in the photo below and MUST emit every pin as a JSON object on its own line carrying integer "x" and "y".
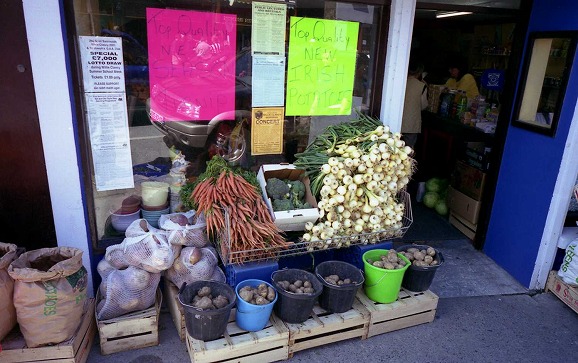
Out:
{"x": 290, "y": 307}
{"x": 338, "y": 298}
{"x": 201, "y": 324}
{"x": 419, "y": 278}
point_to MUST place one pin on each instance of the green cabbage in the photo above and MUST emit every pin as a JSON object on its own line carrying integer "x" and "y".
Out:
{"x": 441, "y": 207}
{"x": 430, "y": 199}
{"x": 437, "y": 185}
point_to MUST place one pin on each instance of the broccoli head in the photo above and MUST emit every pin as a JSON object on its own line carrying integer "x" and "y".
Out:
{"x": 277, "y": 188}
{"x": 282, "y": 204}
{"x": 297, "y": 188}
{"x": 297, "y": 192}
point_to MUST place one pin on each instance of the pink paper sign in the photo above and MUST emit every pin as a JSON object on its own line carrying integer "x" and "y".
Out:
{"x": 191, "y": 64}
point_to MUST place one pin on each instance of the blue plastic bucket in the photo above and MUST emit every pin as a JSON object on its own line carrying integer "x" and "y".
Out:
{"x": 251, "y": 317}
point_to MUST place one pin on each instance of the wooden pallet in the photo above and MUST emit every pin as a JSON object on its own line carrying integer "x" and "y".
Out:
{"x": 568, "y": 294}
{"x": 76, "y": 350}
{"x": 410, "y": 308}
{"x": 267, "y": 345}
{"x": 130, "y": 331}
{"x": 324, "y": 327}
{"x": 175, "y": 308}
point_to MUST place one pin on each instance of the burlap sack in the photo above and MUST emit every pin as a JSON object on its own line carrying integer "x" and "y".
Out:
{"x": 49, "y": 294}
{"x": 7, "y": 310}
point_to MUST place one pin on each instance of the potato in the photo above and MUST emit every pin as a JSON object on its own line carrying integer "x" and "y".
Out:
{"x": 204, "y": 291}
{"x": 271, "y": 294}
{"x": 220, "y": 301}
{"x": 428, "y": 259}
{"x": 284, "y": 284}
{"x": 246, "y": 295}
{"x": 298, "y": 283}
{"x": 135, "y": 279}
{"x": 205, "y": 303}
{"x": 431, "y": 251}
{"x": 418, "y": 256}
{"x": 104, "y": 268}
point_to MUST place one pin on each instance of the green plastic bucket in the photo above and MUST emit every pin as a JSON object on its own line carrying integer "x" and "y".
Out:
{"x": 382, "y": 285}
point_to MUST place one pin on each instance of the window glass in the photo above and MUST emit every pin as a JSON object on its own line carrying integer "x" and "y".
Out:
{"x": 196, "y": 135}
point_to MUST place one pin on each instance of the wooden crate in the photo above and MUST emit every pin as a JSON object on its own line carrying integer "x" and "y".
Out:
{"x": 324, "y": 327}
{"x": 76, "y": 350}
{"x": 267, "y": 345}
{"x": 410, "y": 309}
{"x": 175, "y": 308}
{"x": 130, "y": 331}
{"x": 568, "y": 294}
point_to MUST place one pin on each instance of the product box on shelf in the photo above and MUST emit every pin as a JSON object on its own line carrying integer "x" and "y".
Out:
{"x": 477, "y": 154}
{"x": 292, "y": 220}
{"x": 468, "y": 180}
{"x": 135, "y": 330}
{"x": 463, "y": 206}
{"x": 75, "y": 350}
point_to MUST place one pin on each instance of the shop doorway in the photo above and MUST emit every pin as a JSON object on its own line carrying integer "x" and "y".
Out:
{"x": 25, "y": 206}
{"x": 452, "y": 147}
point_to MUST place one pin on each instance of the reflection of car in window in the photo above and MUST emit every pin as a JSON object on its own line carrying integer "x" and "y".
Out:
{"x": 225, "y": 133}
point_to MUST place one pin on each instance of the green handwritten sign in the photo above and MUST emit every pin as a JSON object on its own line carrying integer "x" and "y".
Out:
{"x": 321, "y": 66}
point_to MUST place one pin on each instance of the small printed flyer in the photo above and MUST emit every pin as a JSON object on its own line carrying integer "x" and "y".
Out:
{"x": 268, "y": 80}
{"x": 109, "y": 139}
{"x": 268, "y": 28}
{"x": 267, "y": 130}
{"x": 102, "y": 64}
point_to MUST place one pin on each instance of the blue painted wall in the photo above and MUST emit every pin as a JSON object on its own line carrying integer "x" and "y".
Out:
{"x": 530, "y": 166}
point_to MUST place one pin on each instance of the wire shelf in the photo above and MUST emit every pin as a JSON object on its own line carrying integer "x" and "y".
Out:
{"x": 229, "y": 256}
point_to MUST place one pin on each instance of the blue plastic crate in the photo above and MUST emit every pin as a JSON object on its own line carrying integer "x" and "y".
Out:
{"x": 260, "y": 270}
{"x": 307, "y": 261}
{"x": 322, "y": 256}
{"x": 354, "y": 254}
{"x": 303, "y": 262}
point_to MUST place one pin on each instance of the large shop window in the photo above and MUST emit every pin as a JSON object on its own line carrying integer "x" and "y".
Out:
{"x": 171, "y": 83}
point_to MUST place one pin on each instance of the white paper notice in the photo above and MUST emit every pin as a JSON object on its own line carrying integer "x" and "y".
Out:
{"x": 268, "y": 28}
{"x": 110, "y": 143}
{"x": 268, "y": 80}
{"x": 102, "y": 64}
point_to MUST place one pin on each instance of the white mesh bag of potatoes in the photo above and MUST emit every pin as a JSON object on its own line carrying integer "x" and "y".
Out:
{"x": 195, "y": 264}
{"x": 146, "y": 248}
{"x": 186, "y": 229}
{"x": 125, "y": 291}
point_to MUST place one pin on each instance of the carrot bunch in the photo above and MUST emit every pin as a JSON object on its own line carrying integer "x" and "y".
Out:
{"x": 252, "y": 234}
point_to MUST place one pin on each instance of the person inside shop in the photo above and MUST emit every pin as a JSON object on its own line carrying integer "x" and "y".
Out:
{"x": 415, "y": 102}
{"x": 460, "y": 79}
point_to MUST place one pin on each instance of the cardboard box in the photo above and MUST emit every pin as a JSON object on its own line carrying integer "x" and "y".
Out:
{"x": 464, "y": 206}
{"x": 468, "y": 180}
{"x": 463, "y": 226}
{"x": 292, "y": 220}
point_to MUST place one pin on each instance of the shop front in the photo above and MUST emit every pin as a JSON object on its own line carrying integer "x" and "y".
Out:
{"x": 95, "y": 190}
